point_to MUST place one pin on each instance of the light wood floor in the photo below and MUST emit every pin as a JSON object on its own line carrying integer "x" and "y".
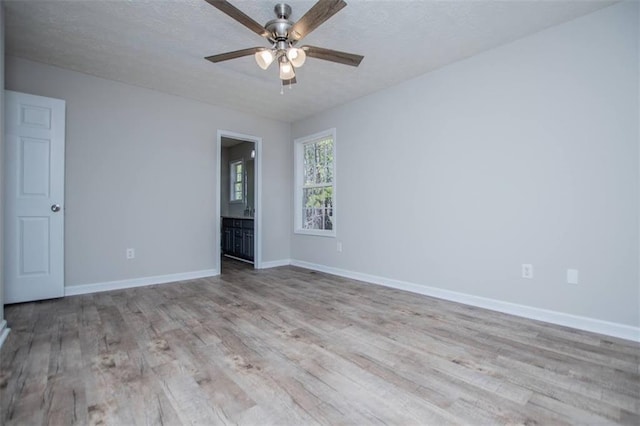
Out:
{"x": 290, "y": 346}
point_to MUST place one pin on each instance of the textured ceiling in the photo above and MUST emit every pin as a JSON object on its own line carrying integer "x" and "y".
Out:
{"x": 161, "y": 44}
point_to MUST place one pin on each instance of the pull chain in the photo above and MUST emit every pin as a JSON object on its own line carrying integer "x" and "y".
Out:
{"x": 282, "y": 86}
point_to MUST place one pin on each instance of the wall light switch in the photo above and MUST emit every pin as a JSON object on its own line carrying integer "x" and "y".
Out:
{"x": 572, "y": 276}
{"x": 339, "y": 246}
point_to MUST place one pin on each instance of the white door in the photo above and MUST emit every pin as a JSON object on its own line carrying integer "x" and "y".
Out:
{"x": 34, "y": 197}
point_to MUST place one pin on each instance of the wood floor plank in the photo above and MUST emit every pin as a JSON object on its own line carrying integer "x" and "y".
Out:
{"x": 64, "y": 400}
{"x": 292, "y": 346}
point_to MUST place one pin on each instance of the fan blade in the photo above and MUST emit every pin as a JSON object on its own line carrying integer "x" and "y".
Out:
{"x": 235, "y": 13}
{"x": 333, "y": 55}
{"x": 289, "y": 82}
{"x": 314, "y": 17}
{"x": 233, "y": 55}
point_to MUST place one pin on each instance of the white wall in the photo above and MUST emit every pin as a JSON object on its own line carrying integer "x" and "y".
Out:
{"x": 527, "y": 153}
{"x": 141, "y": 172}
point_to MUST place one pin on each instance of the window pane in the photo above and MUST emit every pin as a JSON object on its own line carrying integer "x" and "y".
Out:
{"x": 317, "y": 209}
{"x": 328, "y": 160}
{"x": 237, "y": 179}
{"x": 318, "y": 162}
{"x": 328, "y": 164}
{"x": 309, "y": 164}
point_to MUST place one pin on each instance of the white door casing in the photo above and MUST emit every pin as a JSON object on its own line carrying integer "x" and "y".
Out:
{"x": 34, "y": 190}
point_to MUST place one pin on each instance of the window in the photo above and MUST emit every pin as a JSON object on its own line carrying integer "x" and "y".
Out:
{"x": 237, "y": 180}
{"x": 315, "y": 205}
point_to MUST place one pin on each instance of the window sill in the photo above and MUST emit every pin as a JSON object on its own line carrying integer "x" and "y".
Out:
{"x": 316, "y": 233}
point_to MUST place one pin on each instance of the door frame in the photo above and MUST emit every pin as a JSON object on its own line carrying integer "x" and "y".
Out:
{"x": 257, "y": 217}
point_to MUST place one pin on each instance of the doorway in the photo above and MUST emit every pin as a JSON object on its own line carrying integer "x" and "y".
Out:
{"x": 239, "y": 209}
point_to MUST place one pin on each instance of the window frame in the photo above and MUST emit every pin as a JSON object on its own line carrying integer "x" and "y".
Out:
{"x": 299, "y": 144}
{"x": 233, "y": 182}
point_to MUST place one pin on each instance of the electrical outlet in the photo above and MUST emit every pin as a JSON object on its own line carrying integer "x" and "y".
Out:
{"x": 339, "y": 246}
{"x": 572, "y": 276}
{"x": 131, "y": 253}
{"x": 527, "y": 270}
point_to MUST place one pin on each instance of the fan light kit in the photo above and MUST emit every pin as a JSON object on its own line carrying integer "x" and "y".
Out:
{"x": 283, "y": 35}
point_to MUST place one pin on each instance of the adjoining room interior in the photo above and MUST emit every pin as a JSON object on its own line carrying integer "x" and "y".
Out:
{"x": 361, "y": 212}
{"x": 237, "y": 200}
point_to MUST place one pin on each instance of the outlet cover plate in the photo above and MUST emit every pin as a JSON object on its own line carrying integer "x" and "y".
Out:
{"x": 527, "y": 271}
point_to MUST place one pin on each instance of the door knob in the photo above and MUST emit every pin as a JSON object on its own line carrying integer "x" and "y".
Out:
{"x": 55, "y": 208}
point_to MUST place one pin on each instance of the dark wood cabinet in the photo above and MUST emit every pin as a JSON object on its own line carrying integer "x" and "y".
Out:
{"x": 247, "y": 243}
{"x": 227, "y": 239}
{"x": 237, "y": 238}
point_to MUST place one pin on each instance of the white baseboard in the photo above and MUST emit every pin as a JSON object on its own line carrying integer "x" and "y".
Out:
{"x": 137, "y": 282}
{"x": 4, "y": 332}
{"x": 275, "y": 263}
{"x": 622, "y": 331}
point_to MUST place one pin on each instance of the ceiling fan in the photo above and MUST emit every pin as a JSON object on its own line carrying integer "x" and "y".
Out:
{"x": 283, "y": 35}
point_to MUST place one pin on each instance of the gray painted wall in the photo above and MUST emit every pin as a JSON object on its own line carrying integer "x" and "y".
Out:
{"x": 241, "y": 151}
{"x": 141, "y": 172}
{"x": 1, "y": 161}
{"x": 527, "y": 153}
{"x": 233, "y": 153}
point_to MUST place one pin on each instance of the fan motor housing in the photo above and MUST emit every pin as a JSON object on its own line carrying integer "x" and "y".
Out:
{"x": 279, "y": 27}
